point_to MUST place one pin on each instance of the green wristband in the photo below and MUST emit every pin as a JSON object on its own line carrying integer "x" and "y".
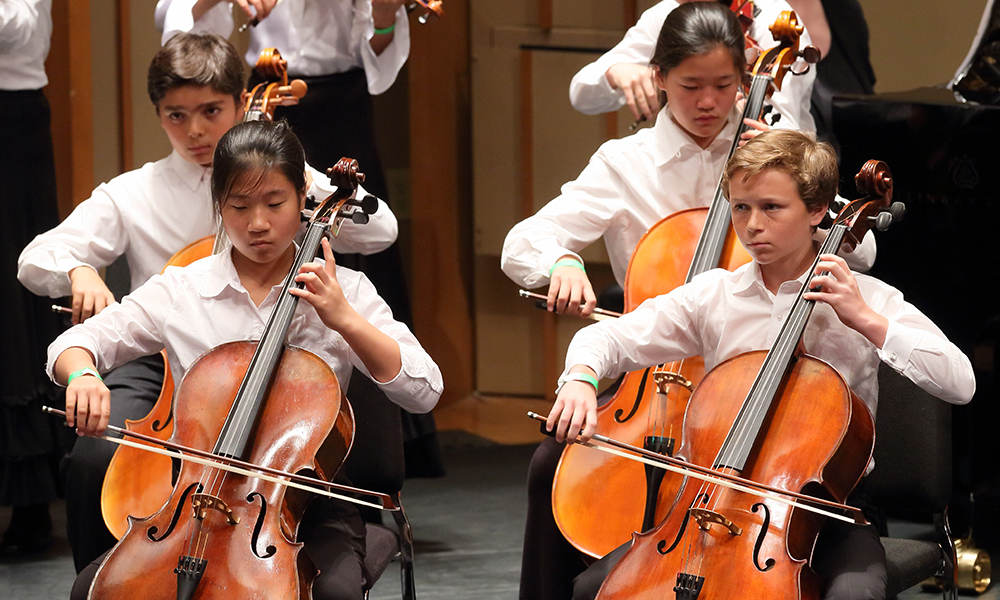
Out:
{"x": 584, "y": 377}
{"x": 567, "y": 262}
{"x": 81, "y": 372}
{"x": 386, "y": 30}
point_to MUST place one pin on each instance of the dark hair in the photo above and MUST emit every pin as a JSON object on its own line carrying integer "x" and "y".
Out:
{"x": 812, "y": 165}
{"x": 195, "y": 59}
{"x": 697, "y": 28}
{"x": 252, "y": 150}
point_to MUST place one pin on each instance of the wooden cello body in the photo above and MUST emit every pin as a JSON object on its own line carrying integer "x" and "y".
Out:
{"x": 137, "y": 482}
{"x": 593, "y": 519}
{"x": 769, "y": 556}
{"x": 258, "y": 554}
{"x": 648, "y": 408}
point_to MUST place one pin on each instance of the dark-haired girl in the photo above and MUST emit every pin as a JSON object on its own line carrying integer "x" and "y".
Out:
{"x": 258, "y": 190}
{"x": 627, "y": 187}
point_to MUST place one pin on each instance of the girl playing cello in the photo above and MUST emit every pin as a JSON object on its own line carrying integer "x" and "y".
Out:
{"x": 258, "y": 191}
{"x": 779, "y": 187}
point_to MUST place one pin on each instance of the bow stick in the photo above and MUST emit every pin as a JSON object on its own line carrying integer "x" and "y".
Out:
{"x": 609, "y": 445}
{"x": 234, "y": 465}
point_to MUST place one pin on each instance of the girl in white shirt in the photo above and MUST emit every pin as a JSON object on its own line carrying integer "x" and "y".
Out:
{"x": 623, "y": 76}
{"x": 779, "y": 187}
{"x": 259, "y": 190}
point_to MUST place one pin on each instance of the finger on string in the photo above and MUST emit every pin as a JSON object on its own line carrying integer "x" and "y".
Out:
{"x": 331, "y": 261}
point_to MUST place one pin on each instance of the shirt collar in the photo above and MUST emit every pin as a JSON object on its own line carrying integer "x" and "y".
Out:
{"x": 750, "y": 277}
{"x": 672, "y": 140}
{"x": 194, "y": 176}
{"x": 221, "y": 274}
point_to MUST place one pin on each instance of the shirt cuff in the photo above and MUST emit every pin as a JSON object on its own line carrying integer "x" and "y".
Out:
{"x": 61, "y": 344}
{"x": 899, "y": 344}
{"x": 413, "y": 374}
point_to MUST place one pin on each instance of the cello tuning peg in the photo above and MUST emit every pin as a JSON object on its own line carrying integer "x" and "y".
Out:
{"x": 369, "y": 204}
{"x": 882, "y": 221}
{"x": 311, "y": 202}
{"x": 811, "y": 54}
{"x": 898, "y": 211}
{"x": 360, "y": 218}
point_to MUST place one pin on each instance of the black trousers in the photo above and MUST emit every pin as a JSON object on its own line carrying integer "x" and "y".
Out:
{"x": 334, "y": 536}
{"x": 849, "y": 559}
{"x": 333, "y": 120}
{"x": 31, "y": 442}
{"x": 134, "y": 390}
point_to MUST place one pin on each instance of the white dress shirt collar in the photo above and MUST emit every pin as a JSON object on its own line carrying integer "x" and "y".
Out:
{"x": 672, "y": 140}
{"x": 193, "y": 175}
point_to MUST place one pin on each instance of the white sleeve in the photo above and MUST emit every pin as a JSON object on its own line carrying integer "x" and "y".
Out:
{"x": 92, "y": 235}
{"x": 380, "y": 70}
{"x": 376, "y": 235}
{"x": 419, "y": 384}
{"x": 794, "y": 99}
{"x": 573, "y": 220}
{"x": 589, "y": 91}
{"x": 18, "y": 19}
{"x": 123, "y": 331}
{"x": 917, "y": 349}
{"x": 174, "y": 16}
{"x": 660, "y": 330}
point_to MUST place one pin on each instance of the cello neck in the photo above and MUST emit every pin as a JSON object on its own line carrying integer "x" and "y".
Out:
{"x": 712, "y": 242}
{"x": 740, "y": 440}
{"x": 236, "y": 433}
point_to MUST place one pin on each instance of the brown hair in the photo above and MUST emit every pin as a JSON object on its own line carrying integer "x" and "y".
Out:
{"x": 202, "y": 59}
{"x": 252, "y": 150}
{"x": 812, "y": 165}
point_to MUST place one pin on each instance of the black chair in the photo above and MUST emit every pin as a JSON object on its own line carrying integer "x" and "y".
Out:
{"x": 376, "y": 463}
{"x": 912, "y": 476}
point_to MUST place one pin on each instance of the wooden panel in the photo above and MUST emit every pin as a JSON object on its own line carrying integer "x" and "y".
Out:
{"x": 440, "y": 187}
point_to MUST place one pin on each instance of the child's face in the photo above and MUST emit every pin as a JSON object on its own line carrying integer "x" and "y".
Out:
{"x": 701, "y": 91}
{"x": 771, "y": 219}
{"x": 195, "y": 117}
{"x": 261, "y": 218}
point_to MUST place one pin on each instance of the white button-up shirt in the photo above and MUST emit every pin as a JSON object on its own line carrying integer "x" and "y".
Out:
{"x": 188, "y": 311}
{"x": 590, "y": 92}
{"x": 721, "y": 314}
{"x": 148, "y": 215}
{"x": 25, "y": 30}
{"x": 316, "y": 37}
{"x": 627, "y": 187}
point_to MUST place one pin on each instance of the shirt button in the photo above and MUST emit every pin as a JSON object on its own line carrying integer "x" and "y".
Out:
{"x": 780, "y": 317}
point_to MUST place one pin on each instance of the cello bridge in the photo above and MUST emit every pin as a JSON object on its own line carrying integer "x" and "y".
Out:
{"x": 706, "y": 518}
{"x": 202, "y": 503}
{"x": 665, "y": 378}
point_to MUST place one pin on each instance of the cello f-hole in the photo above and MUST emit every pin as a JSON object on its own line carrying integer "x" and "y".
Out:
{"x": 703, "y": 498}
{"x": 151, "y": 532}
{"x": 270, "y": 550}
{"x": 638, "y": 400}
{"x": 157, "y": 426}
{"x": 760, "y": 539}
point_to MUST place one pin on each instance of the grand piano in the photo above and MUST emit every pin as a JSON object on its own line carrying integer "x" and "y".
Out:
{"x": 944, "y": 153}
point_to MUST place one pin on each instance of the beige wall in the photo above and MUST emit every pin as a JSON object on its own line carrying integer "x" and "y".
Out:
{"x": 915, "y": 44}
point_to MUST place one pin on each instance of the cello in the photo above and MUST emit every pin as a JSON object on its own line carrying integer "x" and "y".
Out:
{"x": 275, "y": 408}
{"x": 648, "y": 407}
{"x": 780, "y": 419}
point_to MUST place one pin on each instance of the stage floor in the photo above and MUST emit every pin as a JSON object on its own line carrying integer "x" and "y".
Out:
{"x": 468, "y": 528}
